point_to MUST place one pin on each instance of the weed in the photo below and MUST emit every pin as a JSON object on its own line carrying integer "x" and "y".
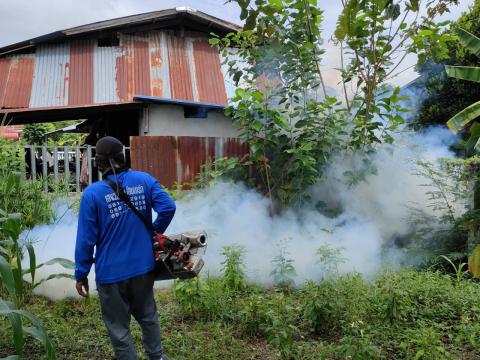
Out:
{"x": 234, "y": 268}
{"x": 458, "y": 269}
{"x": 329, "y": 257}
{"x": 189, "y": 294}
{"x": 283, "y": 271}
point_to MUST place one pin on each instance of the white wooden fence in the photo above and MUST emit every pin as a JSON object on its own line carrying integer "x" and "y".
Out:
{"x": 62, "y": 163}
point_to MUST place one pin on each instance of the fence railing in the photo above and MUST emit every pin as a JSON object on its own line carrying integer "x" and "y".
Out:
{"x": 71, "y": 164}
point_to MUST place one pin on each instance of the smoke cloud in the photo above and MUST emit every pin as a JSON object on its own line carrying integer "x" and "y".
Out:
{"x": 369, "y": 215}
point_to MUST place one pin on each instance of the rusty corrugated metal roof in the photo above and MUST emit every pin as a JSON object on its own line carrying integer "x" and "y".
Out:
{"x": 83, "y": 73}
{"x": 178, "y": 16}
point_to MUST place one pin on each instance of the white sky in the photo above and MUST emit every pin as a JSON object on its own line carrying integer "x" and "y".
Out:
{"x": 25, "y": 19}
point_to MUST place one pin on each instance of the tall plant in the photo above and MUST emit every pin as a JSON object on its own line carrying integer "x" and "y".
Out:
{"x": 468, "y": 117}
{"x": 375, "y": 37}
{"x": 283, "y": 107}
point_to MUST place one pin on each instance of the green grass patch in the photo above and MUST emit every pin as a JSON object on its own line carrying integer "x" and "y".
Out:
{"x": 400, "y": 315}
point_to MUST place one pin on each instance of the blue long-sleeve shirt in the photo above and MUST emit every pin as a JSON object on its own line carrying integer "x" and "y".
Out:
{"x": 107, "y": 226}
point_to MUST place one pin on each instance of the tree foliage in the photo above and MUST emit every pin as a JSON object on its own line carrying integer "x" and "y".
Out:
{"x": 282, "y": 106}
{"x": 438, "y": 106}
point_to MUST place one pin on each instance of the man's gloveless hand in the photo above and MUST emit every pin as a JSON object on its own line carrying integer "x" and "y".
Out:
{"x": 82, "y": 287}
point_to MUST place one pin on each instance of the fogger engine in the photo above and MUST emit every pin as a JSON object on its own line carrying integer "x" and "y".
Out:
{"x": 177, "y": 256}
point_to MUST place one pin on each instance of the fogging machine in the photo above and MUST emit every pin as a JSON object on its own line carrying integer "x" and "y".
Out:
{"x": 176, "y": 256}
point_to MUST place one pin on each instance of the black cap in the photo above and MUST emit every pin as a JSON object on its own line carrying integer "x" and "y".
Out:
{"x": 108, "y": 146}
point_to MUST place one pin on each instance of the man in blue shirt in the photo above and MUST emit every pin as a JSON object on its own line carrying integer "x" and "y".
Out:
{"x": 123, "y": 249}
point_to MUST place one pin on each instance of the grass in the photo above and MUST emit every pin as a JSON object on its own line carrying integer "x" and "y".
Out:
{"x": 401, "y": 315}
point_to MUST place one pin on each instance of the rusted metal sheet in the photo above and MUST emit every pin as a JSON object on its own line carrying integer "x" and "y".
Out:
{"x": 209, "y": 77}
{"x": 141, "y": 67}
{"x": 80, "y": 84}
{"x": 16, "y": 81}
{"x": 124, "y": 69}
{"x": 4, "y": 72}
{"x": 80, "y": 72}
{"x": 50, "y": 78}
{"x": 155, "y": 155}
{"x": 179, "y": 70}
{"x": 19, "y": 84}
{"x": 178, "y": 159}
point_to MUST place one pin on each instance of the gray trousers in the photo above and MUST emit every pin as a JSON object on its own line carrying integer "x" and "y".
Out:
{"x": 121, "y": 300}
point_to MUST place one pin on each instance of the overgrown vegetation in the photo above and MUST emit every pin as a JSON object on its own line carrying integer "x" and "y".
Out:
{"x": 401, "y": 315}
{"x": 283, "y": 108}
{"x": 23, "y": 204}
{"x": 439, "y": 88}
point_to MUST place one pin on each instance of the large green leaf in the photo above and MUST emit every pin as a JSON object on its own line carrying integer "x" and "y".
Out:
{"x": 54, "y": 276}
{"x": 33, "y": 260}
{"x": 37, "y": 331}
{"x": 11, "y": 357}
{"x": 16, "y": 322}
{"x": 40, "y": 334}
{"x": 12, "y": 227}
{"x": 67, "y": 264}
{"x": 18, "y": 278}
{"x": 6, "y": 275}
{"x": 470, "y": 41}
{"x": 470, "y": 73}
{"x": 464, "y": 117}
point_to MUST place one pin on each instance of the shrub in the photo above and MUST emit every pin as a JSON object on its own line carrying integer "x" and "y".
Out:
{"x": 234, "y": 268}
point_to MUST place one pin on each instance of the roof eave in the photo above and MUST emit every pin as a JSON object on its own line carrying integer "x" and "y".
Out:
{"x": 211, "y": 23}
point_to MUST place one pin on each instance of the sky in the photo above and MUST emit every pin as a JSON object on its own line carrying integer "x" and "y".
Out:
{"x": 25, "y": 19}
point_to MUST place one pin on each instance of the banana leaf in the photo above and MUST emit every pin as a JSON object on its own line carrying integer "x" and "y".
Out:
{"x": 469, "y": 73}
{"x": 470, "y": 41}
{"x": 460, "y": 120}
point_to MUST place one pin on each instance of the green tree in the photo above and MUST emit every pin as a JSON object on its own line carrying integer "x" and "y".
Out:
{"x": 282, "y": 106}
{"x": 438, "y": 106}
{"x": 34, "y": 134}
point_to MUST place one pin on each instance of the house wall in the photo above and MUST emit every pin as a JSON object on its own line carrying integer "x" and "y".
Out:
{"x": 169, "y": 120}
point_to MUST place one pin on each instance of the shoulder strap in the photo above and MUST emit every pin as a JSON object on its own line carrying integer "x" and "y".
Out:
{"x": 124, "y": 197}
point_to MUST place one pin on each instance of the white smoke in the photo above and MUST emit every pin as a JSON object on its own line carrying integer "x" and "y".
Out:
{"x": 372, "y": 213}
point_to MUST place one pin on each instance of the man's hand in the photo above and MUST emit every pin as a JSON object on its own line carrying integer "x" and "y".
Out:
{"x": 80, "y": 286}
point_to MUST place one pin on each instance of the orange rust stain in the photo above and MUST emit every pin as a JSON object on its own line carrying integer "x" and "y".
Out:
{"x": 141, "y": 68}
{"x": 156, "y": 58}
{"x": 179, "y": 71}
{"x": 121, "y": 78}
{"x": 157, "y": 87}
{"x": 80, "y": 74}
{"x": 19, "y": 84}
{"x": 208, "y": 73}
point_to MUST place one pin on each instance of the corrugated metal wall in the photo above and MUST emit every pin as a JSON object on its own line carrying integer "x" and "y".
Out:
{"x": 179, "y": 158}
{"x": 51, "y": 75}
{"x": 16, "y": 81}
{"x": 81, "y": 72}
